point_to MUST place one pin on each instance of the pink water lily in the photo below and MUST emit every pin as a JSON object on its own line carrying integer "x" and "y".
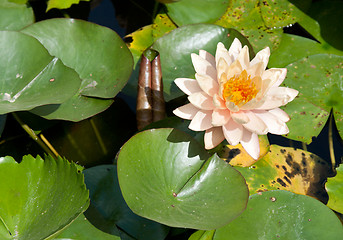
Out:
{"x": 234, "y": 98}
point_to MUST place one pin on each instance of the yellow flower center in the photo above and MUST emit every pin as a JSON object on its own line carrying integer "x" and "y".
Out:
{"x": 239, "y": 89}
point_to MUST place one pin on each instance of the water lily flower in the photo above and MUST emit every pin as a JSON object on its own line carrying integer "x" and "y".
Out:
{"x": 234, "y": 98}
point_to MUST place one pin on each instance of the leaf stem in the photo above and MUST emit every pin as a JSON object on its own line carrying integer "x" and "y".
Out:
{"x": 98, "y": 136}
{"x": 331, "y": 148}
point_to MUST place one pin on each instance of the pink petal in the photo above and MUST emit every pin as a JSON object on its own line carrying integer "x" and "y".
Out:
{"x": 251, "y": 144}
{"x": 235, "y": 49}
{"x": 208, "y": 57}
{"x": 201, "y": 100}
{"x": 203, "y": 67}
{"x": 261, "y": 56}
{"x": 233, "y": 132}
{"x": 213, "y": 137}
{"x": 187, "y": 85}
{"x": 234, "y": 69}
{"x": 243, "y": 57}
{"x": 223, "y": 53}
{"x": 276, "y": 75}
{"x": 207, "y": 84}
{"x": 256, "y": 70}
{"x": 201, "y": 121}
{"x": 274, "y": 124}
{"x": 187, "y": 111}
{"x": 255, "y": 124}
{"x": 222, "y": 69}
{"x": 220, "y": 117}
{"x": 240, "y": 117}
{"x": 218, "y": 102}
{"x": 232, "y": 107}
{"x": 278, "y": 96}
{"x": 280, "y": 114}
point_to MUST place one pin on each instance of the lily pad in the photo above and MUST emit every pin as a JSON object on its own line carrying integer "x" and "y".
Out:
{"x": 30, "y": 76}
{"x": 166, "y": 176}
{"x": 334, "y": 187}
{"x": 192, "y": 11}
{"x": 15, "y": 16}
{"x": 39, "y": 197}
{"x": 175, "y": 49}
{"x": 283, "y": 215}
{"x": 62, "y": 4}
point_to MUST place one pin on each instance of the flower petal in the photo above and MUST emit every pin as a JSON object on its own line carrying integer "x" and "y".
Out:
{"x": 187, "y": 85}
{"x": 278, "y": 96}
{"x": 201, "y": 100}
{"x": 203, "y": 67}
{"x": 220, "y": 117}
{"x": 274, "y": 124}
{"x": 262, "y": 56}
{"x": 255, "y": 124}
{"x": 207, "y": 84}
{"x": 222, "y": 52}
{"x": 243, "y": 57}
{"x": 201, "y": 121}
{"x": 251, "y": 144}
{"x": 187, "y": 111}
{"x": 218, "y": 102}
{"x": 235, "y": 49}
{"x": 232, "y": 107}
{"x": 276, "y": 76}
{"x": 240, "y": 117}
{"x": 234, "y": 69}
{"x": 233, "y": 132}
{"x": 208, "y": 57}
{"x": 213, "y": 137}
{"x": 256, "y": 70}
{"x": 280, "y": 114}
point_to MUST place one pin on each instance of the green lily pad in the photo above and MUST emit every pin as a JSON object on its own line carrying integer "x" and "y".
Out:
{"x": 108, "y": 208}
{"x": 166, "y": 176}
{"x": 15, "y": 16}
{"x": 62, "y": 4}
{"x": 39, "y": 197}
{"x": 30, "y": 76}
{"x": 318, "y": 78}
{"x": 196, "y": 11}
{"x": 81, "y": 228}
{"x": 283, "y": 215}
{"x": 334, "y": 187}
{"x": 175, "y": 49}
{"x": 202, "y": 235}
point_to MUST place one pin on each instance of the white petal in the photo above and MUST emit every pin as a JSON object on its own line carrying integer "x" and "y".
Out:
{"x": 232, "y": 107}
{"x": 203, "y": 67}
{"x": 261, "y": 56}
{"x": 208, "y": 57}
{"x": 187, "y": 111}
{"x": 223, "y": 53}
{"x": 234, "y": 69}
{"x": 274, "y": 124}
{"x": 207, "y": 84}
{"x": 278, "y": 96}
{"x": 233, "y": 132}
{"x": 187, "y": 85}
{"x": 201, "y": 121}
{"x": 220, "y": 117}
{"x": 235, "y": 49}
{"x": 255, "y": 124}
{"x": 201, "y": 100}
{"x": 279, "y": 113}
{"x": 276, "y": 75}
{"x": 251, "y": 144}
{"x": 213, "y": 137}
{"x": 256, "y": 70}
{"x": 219, "y": 102}
{"x": 222, "y": 70}
{"x": 243, "y": 57}
{"x": 240, "y": 117}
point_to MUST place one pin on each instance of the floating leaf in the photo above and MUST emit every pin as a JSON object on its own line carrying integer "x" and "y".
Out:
{"x": 15, "y": 16}
{"x": 202, "y": 235}
{"x": 334, "y": 187}
{"x": 39, "y": 197}
{"x": 192, "y": 11}
{"x": 166, "y": 176}
{"x": 175, "y": 49}
{"x": 318, "y": 79}
{"x": 30, "y": 76}
{"x": 108, "y": 208}
{"x": 282, "y": 215}
{"x": 288, "y": 169}
{"x": 62, "y": 4}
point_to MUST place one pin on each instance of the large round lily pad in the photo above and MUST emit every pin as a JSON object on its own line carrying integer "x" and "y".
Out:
{"x": 166, "y": 176}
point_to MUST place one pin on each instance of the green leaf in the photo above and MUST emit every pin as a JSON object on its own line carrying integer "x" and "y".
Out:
{"x": 318, "y": 78}
{"x": 62, "y": 4}
{"x": 96, "y": 53}
{"x": 175, "y": 49}
{"x": 283, "y": 215}
{"x": 196, "y": 11}
{"x": 39, "y": 197}
{"x": 30, "y": 76}
{"x": 81, "y": 228}
{"x": 15, "y": 16}
{"x": 202, "y": 235}
{"x": 166, "y": 176}
{"x": 334, "y": 187}
{"x": 108, "y": 208}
